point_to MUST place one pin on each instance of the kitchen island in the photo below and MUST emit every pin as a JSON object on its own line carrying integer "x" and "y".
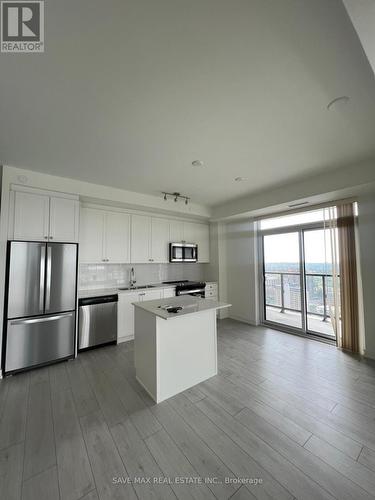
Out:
{"x": 175, "y": 351}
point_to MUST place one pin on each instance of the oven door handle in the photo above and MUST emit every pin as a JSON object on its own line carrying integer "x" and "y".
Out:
{"x": 187, "y": 292}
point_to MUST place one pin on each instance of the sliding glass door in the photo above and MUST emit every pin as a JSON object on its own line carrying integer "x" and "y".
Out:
{"x": 297, "y": 280}
{"x": 319, "y": 281}
{"x": 282, "y": 279}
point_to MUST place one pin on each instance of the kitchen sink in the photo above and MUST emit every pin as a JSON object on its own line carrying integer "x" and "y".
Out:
{"x": 137, "y": 287}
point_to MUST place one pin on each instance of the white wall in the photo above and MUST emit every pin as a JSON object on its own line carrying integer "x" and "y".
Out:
{"x": 362, "y": 14}
{"x": 366, "y": 230}
{"x": 216, "y": 270}
{"x": 242, "y": 271}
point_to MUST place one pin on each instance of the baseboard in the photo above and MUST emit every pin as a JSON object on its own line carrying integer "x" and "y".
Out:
{"x": 369, "y": 355}
{"x": 243, "y": 320}
{"x": 120, "y": 340}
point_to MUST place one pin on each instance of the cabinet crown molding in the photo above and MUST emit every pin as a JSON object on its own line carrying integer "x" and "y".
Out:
{"x": 34, "y": 190}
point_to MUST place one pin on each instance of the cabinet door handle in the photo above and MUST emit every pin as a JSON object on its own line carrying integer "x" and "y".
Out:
{"x": 51, "y": 237}
{"x": 46, "y": 237}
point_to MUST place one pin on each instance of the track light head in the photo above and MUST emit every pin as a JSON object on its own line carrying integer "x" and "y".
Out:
{"x": 176, "y": 196}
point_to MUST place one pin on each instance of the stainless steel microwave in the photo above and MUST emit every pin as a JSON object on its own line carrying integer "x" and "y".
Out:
{"x": 183, "y": 252}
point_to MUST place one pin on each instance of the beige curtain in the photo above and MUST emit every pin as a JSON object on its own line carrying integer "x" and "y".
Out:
{"x": 349, "y": 335}
{"x": 332, "y": 257}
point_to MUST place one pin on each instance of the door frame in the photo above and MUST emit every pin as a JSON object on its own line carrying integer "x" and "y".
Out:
{"x": 303, "y": 331}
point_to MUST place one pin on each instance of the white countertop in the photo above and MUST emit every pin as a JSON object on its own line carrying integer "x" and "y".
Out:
{"x": 102, "y": 292}
{"x": 189, "y": 304}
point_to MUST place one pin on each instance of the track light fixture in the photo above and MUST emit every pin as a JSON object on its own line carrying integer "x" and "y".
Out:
{"x": 176, "y": 197}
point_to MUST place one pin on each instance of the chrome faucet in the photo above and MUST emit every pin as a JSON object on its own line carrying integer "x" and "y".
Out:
{"x": 132, "y": 280}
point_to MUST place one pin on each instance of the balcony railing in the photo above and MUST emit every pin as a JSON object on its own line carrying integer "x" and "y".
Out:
{"x": 318, "y": 299}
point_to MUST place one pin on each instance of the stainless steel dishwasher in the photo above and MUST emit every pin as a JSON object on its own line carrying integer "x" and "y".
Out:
{"x": 97, "y": 321}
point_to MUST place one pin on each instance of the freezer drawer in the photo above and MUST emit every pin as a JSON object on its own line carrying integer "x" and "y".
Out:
{"x": 33, "y": 341}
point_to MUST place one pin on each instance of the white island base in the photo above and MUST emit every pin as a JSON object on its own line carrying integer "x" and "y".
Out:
{"x": 175, "y": 353}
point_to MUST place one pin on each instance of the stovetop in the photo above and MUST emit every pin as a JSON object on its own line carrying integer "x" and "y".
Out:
{"x": 186, "y": 284}
{"x": 178, "y": 282}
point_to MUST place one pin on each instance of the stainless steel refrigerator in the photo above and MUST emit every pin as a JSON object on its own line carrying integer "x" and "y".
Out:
{"x": 40, "y": 304}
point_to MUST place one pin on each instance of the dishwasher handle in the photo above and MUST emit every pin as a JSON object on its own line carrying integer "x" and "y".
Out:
{"x": 91, "y": 301}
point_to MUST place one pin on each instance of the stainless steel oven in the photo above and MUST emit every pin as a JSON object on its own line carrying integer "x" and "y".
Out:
{"x": 183, "y": 252}
{"x": 194, "y": 288}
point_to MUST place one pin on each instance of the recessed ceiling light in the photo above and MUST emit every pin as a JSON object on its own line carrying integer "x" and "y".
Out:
{"x": 240, "y": 179}
{"x": 338, "y": 102}
{"x": 197, "y": 163}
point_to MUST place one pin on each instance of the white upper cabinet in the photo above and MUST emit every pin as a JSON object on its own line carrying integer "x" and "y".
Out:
{"x": 176, "y": 230}
{"x": 91, "y": 236}
{"x": 104, "y": 236}
{"x": 63, "y": 219}
{"x": 190, "y": 232}
{"x": 203, "y": 241}
{"x": 159, "y": 240}
{"x": 140, "y": 239}
{"x": 38, "y": 216}
{"x": 117, "y": 237}
{"x": 149, "y": 239}
{"x": 31, "y": 216}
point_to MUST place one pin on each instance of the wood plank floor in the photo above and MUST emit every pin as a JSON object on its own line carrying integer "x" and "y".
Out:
{"x": 285, "y": 418}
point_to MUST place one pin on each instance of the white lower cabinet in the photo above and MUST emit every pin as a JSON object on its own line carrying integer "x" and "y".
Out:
{"x": 152, "y": 294}
{"x": 169, "y": 292}
{"x": 211, "y": 290}
{"x": 125, "y": 311}
{"x": 125, "y": 315}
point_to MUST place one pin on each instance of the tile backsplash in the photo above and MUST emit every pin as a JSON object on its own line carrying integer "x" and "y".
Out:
{"x": 93, "y": 276}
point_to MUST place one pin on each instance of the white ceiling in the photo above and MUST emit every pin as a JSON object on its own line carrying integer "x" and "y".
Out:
{"x": 129, "y": 92}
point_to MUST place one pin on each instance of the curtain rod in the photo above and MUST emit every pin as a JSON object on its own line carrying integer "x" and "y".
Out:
{"x": 308, "y": 208}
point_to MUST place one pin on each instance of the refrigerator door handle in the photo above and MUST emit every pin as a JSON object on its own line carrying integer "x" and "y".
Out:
{"x": 48, "y": 280}
{"x": 41, "y": 277}
{"x": 39, "y": 320}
